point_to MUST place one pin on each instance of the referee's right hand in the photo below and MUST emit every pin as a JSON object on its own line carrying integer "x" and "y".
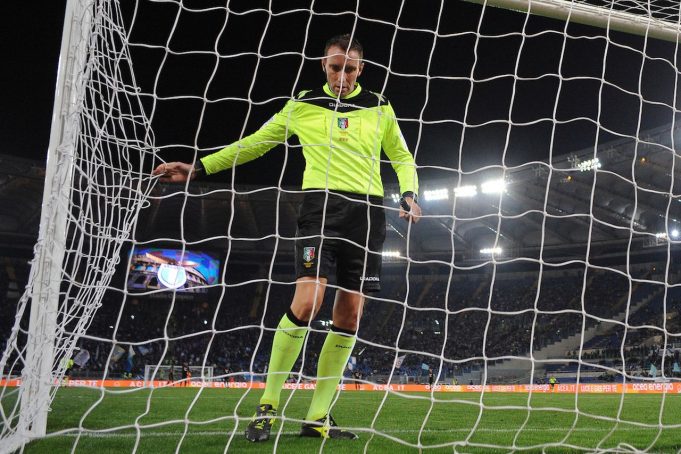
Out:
{"x": 175, "y": 172}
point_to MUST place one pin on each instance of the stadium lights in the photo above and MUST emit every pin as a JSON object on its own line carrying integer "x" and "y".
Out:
{"x": 436, "y": 194}
{"x": 466, "y": 191}
{"x": 390, "y": 253}
{"x": 663, "y": 235}
{"x": 491, "y": 250}
{"x": 589, "y": 164}
{"x": 493, "y": 186}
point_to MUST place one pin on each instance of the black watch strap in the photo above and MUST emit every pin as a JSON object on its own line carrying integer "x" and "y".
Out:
{"x": 199, "y": 169}
{"x": 411, "y": 194}
{"x": 404, "y": 204}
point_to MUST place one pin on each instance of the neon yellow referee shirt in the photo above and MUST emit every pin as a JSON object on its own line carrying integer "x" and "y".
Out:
{"x": 341, "y": 142}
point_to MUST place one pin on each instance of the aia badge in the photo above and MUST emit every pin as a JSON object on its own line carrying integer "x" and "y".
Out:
{"x": 308, "y": 256}
{"x": 343, "y": 123}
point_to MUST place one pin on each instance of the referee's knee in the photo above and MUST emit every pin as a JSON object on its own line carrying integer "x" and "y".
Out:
{"x": 308, "y": 298}
{"x": 303, "y": 312}
{"x": 305, "y": 309}
{"x": 348, "y": 321}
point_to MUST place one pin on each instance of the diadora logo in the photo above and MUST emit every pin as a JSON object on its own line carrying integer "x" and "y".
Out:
{"x": 370, "y": 278}
{"x": 339, "y": 104}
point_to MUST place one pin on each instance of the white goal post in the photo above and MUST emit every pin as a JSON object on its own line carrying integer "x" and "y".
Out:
{"x": 58, "y": 317}
{"x": 101, "y": 150}
{"x": 636, "y": 18}
{"x": 44, "y": 360}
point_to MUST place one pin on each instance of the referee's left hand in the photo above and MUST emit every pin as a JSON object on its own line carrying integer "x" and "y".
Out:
{"x": 414, "y": 213}
{"x": 174, "y": 172}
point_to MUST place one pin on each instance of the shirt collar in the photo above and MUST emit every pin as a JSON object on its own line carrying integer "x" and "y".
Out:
{"x": 353, "y": 93}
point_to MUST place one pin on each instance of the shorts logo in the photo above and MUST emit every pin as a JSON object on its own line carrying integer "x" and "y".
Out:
{"x": 371, "y": 278}
{"x": 343, "y": 123}
{"x": 308, "y": 256}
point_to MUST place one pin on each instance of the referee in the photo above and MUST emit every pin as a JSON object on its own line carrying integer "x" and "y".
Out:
{"x": 342, "y": 128}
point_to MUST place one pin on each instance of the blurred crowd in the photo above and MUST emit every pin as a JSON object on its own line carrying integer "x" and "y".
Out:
{"x": 429, "y": 322}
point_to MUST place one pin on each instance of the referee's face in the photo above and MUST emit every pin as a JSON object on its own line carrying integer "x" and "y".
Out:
{"x": 342, "y": 71}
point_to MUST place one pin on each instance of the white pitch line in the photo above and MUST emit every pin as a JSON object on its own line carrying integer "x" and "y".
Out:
{"x": 187, "y": 398}
{"x": 377, "y": 432}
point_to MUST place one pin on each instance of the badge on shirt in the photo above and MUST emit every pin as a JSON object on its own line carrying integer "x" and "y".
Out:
{"x": 343, "y": 123}
{"x": 308, "y": 256}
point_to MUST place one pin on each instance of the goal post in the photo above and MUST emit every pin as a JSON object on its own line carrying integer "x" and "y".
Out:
{"x": 43, "y": 364}
{"x": 83, "y": 223}
{"x": 645, "y": 21}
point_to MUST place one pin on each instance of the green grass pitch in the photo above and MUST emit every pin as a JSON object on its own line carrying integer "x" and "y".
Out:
{"x": 188, "y": 420}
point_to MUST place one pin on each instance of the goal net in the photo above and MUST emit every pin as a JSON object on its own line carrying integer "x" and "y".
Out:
{"x": 534, "y": 307}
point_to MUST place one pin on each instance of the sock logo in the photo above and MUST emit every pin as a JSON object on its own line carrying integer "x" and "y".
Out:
{"x": 286, "y": 331}
{"x": 343, "y": 346}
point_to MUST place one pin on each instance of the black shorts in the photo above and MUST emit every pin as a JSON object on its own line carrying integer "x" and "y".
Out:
{"x": 345, "y": 241}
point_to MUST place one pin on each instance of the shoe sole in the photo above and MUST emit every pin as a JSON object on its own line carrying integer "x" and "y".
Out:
{"x": 311, "y": 432}
{"x": 256, "y": 440}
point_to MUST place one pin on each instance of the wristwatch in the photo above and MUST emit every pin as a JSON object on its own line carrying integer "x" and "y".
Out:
{"x": 198, "y": 168}
{"x": 403, "y": 202}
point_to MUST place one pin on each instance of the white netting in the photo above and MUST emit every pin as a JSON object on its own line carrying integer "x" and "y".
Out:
{"x": 547, "y": 160}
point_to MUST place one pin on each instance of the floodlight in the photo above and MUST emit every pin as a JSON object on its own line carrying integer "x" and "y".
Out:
{"x": 589, "y": 164}
{"x": 491, "y": 250}
{"x": 466, "y": 191}
{"x": 493, "y": 186}
{"x": 436, "y": 194}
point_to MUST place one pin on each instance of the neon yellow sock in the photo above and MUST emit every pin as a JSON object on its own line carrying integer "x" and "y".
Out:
{"x": 288, "y": 341}
{"x": 332, "y": 361}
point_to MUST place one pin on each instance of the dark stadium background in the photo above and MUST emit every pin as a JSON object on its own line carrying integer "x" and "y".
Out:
{"x": 32, "y": 40}
{"x": 32, "y": 37}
